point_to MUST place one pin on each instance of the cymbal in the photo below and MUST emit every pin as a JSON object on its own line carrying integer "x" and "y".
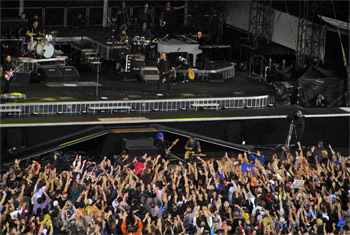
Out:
{"x": 31, "y": 34}
{"x": 39, "y": 38}
{"x": 53, "y": 32}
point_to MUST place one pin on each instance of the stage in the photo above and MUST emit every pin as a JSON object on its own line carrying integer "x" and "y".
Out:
{"x": 223, "y": 103}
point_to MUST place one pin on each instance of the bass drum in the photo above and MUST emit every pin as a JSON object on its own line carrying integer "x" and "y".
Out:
{"x": 44, "y": 49}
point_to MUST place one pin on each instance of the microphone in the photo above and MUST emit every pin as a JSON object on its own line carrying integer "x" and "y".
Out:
{"x": 178, "y": 49}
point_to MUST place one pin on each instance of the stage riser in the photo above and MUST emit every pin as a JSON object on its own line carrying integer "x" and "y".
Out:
{"x": 133, "y": 106}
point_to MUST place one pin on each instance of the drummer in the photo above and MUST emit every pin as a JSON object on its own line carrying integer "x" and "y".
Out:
{"x": 35, "y": 30}
{"x": 145, "y": 32}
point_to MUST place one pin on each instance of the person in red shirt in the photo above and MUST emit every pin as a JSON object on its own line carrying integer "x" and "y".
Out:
{"x": 140, "y": 165}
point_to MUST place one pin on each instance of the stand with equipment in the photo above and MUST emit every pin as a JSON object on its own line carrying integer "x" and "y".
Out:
{"x": 290, "y": 133}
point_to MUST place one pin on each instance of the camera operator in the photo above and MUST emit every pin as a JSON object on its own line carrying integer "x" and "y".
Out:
{"x": 299, "y": 122}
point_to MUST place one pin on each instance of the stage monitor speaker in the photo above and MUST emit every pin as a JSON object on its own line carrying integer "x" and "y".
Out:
{"x": 149, "y": 74}
{"x": 70, "y": 74}
{"x": 51, "y": 74}
{"x": 138, "y": 147}
{"x": 22, "y": 78}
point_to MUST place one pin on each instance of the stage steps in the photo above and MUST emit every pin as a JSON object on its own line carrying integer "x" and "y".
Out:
{"x": 90, "y": 56}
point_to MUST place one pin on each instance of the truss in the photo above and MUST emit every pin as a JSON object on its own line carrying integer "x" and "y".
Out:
{"x": 310, "y": 35}
{"x": 260, "y": 22}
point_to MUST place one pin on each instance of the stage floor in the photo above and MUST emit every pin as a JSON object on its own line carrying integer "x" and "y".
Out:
{"x": 113, "y": 87}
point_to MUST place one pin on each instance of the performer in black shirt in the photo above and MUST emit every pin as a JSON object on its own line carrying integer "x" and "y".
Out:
{"x": 168, "y": 18}
{"x": 145, "y": 32}
{"x": 162, "y": 145}
{"x": 200, "y": 38}
{"x": 23, "y": 30}
{"x": 144, "y": 15}
{"x": 7, "y": 67}
{"x": 35, "y": 29}
{"x": 123, "y": 16}
{"x": 164, "y": 69}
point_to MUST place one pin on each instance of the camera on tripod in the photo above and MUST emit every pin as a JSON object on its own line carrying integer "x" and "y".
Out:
{"x": 292, "y": 117}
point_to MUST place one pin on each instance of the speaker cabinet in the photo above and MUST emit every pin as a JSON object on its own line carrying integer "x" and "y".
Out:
{"x": 51, "y": 74}
{"x": 70, "y": 74}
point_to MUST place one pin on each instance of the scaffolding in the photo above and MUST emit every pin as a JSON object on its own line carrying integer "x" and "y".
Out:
{"x": 260, "y": 23}
{"x": 310, "y": 35}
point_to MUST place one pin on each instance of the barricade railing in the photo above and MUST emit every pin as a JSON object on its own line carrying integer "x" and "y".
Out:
{"x": 134, "y": 105}
{"x": 66, "y": 16}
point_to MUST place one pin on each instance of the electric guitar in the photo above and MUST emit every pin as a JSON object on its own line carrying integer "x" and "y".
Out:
{"x": 190, "y": 154}
{"x": 191, "y": 74}
{"x": 168, "y": 150}
{"x": 9, "y": 74}
{"x": 167, "y": 72}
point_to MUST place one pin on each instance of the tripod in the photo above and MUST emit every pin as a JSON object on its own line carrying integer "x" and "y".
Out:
{"x": 98, "y": 63}
{"x": 290, "y": 133}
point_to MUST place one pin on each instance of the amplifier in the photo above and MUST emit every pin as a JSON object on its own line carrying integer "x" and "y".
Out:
{"x": 149, "y": 74}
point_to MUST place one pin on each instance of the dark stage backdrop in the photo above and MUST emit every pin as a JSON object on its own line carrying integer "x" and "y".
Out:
{"x": 331, "y": 130}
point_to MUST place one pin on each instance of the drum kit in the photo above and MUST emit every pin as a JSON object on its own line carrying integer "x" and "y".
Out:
{"x": 140, "y": 45}
{"x": 42, "y": 46}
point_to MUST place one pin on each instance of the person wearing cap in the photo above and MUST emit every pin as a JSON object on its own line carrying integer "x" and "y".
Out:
{"x": 162, "y": 145}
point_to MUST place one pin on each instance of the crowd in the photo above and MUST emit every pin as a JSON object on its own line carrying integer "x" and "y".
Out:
{"x": 294, "y": 193}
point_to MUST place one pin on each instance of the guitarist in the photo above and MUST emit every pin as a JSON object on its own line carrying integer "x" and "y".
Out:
{"x": 162, "y": 144}
{"x": 192, "y": 146}
{"x": 164, "y": 72}
{"x": 7, "y": 68}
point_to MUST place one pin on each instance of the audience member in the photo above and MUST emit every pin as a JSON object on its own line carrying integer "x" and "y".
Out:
{"x": 244, "y": 194}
